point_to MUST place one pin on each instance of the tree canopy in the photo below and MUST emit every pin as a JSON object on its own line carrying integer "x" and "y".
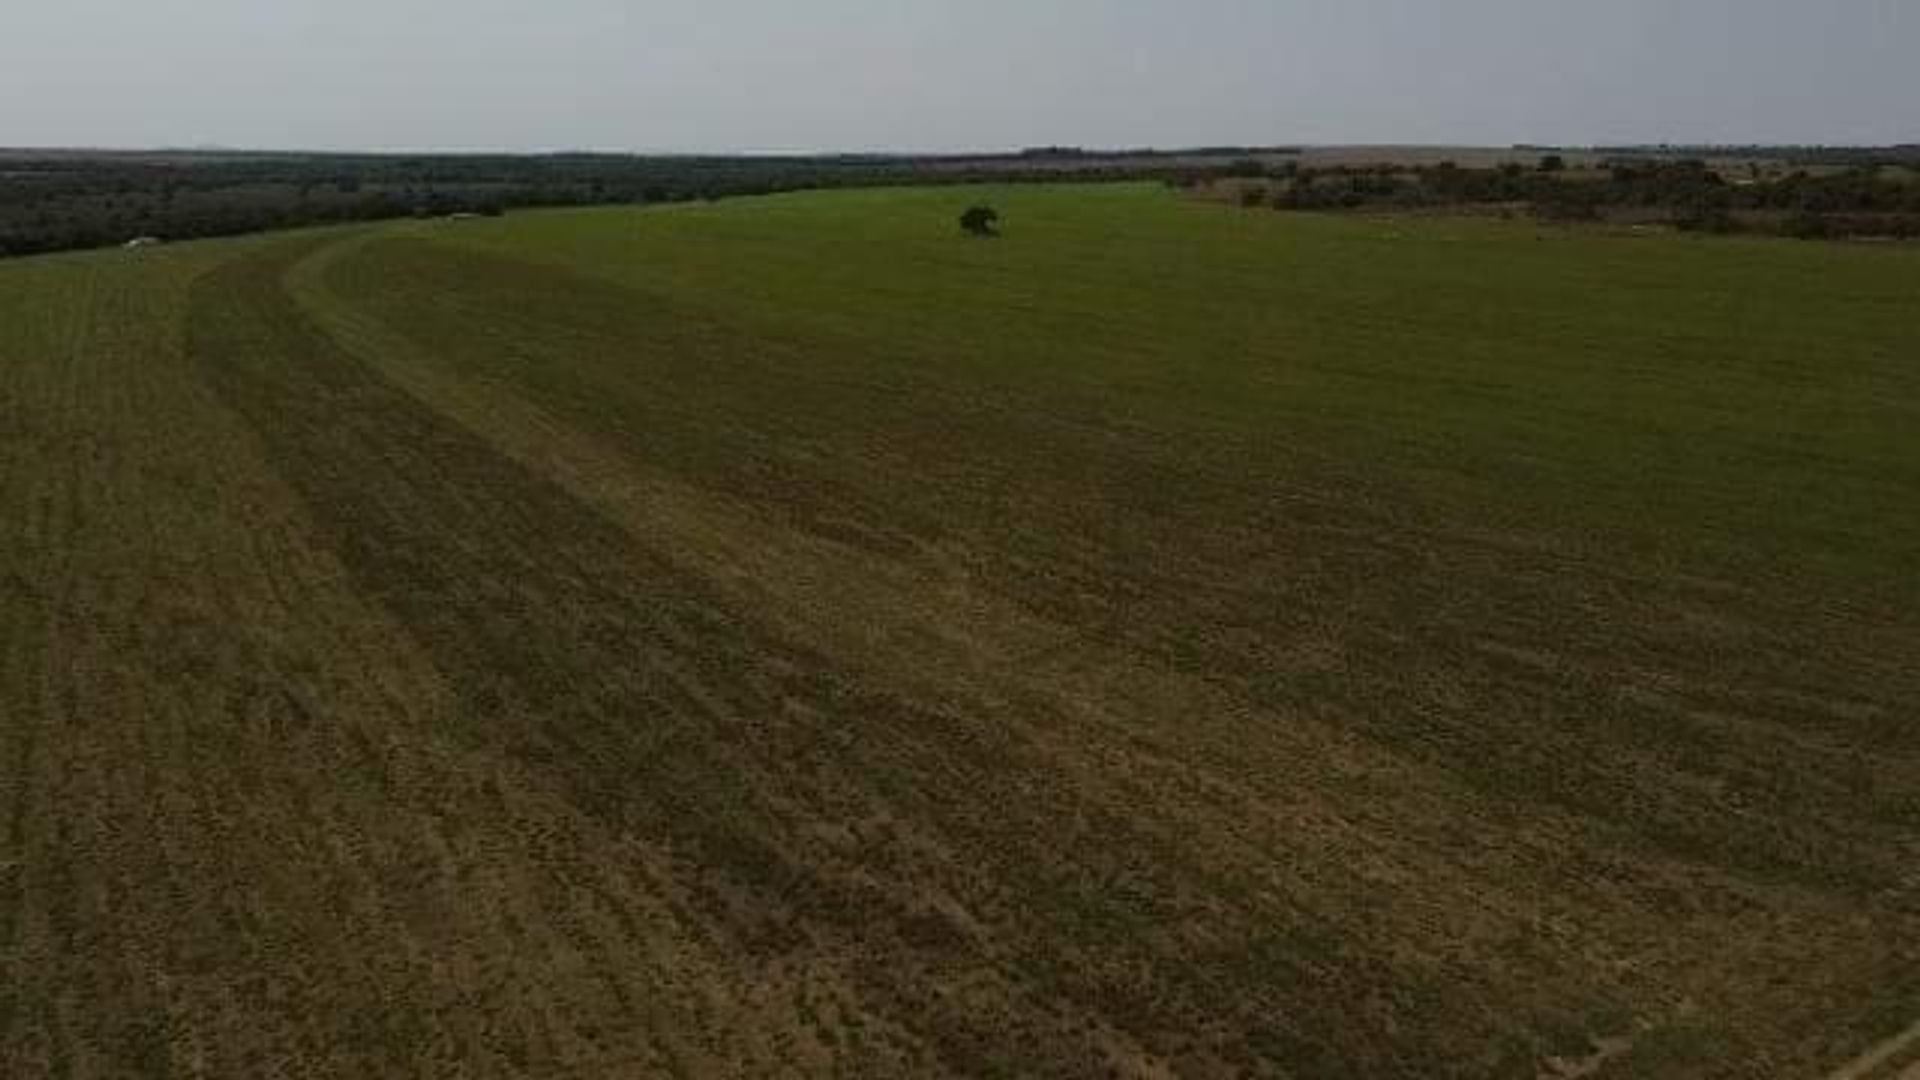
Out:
{"x": 980, "y": 221}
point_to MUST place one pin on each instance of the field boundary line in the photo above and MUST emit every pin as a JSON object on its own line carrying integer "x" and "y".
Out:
{"x": 1862, "y": 1067}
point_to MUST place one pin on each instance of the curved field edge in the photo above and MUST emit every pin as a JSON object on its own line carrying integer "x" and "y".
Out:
{"x": 1728, "y": 403}
{"x": 808, "y": 745}
{"x": 412, "y": 304}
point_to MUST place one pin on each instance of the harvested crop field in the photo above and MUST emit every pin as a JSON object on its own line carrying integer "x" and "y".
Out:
{"x": 785, "y": 637}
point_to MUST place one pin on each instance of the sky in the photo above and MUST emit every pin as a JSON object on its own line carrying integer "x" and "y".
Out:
{"x": 952, "y": 75}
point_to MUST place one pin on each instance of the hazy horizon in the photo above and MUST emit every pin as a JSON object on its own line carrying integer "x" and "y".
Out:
{"x": 752, "y": 76}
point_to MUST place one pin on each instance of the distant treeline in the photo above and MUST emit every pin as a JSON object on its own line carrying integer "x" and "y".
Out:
{"x": 58, "y": 201}
{"x": 1033, "y": 152}
{"x": 1874, "y": 199}
{"x": 1904, "y": 154}
{"x": 62, "y": 200}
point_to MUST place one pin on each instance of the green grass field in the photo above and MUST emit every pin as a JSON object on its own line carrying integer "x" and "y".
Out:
{"x": 786, "y": 637}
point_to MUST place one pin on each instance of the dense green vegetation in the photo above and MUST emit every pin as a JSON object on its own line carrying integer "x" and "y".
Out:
{"x": 65, "y": 200}
{"x": 1874, "y": 199}
{"x": 702, "y": 639}
{"x": 57, "y": 202}
{"x": 54, "y": 201}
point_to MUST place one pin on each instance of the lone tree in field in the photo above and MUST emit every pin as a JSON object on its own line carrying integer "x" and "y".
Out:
{"x": 980, "y": 221}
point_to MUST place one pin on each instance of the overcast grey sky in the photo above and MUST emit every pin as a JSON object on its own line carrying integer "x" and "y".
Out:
{"x": 951, "y": 74}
